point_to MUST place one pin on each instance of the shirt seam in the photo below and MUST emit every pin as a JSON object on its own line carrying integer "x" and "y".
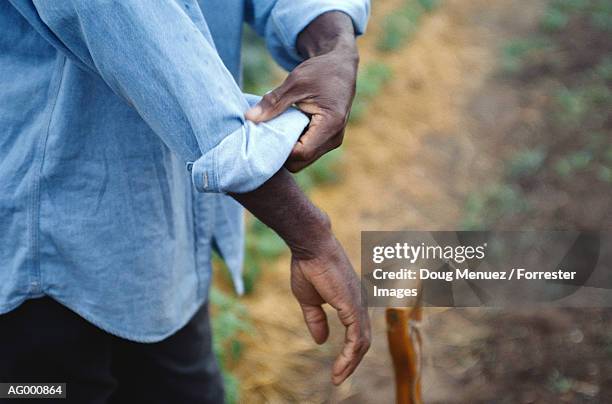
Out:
{"x": 215, "y": 169}
{"x": 194, "y": 217}
{"x": 283, "y": 34}
{"x": 35, "y": 197}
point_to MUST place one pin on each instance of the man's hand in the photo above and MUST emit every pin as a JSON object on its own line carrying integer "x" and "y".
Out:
{"x": 323, "y": 86}
{"x": 320, "y": 271}
{"x": 325, "y": 275}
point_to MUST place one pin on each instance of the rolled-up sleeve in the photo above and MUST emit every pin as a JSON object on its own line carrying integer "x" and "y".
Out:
{"x": 153, "y": 55}
{"x": 247, "y": 157}
{"x": 281, "y": 21}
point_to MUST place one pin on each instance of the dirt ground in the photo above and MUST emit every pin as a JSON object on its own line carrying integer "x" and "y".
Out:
{"x": 425, "y": 144}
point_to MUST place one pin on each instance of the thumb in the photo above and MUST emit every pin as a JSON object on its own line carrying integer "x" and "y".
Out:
{"x": 271, "y": 105}
{"x": 316, "y": 321}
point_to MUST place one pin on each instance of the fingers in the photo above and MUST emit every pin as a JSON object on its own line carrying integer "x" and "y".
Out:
{"x": 329, "y": 278}
{"x": 272, "y": 104}
{"x": 296, "y": 164}
{"x": 316, "y": 321}
{"x": 325, "y": 133}
{"x": 356, "y": 344}
{"x": 340, "y": 287}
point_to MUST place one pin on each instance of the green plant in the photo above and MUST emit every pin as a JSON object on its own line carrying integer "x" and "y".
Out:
{"x": 558, "y": 383}
{"x": 372, "y": 78}
{"x": 402, "y": 24}
{"x": 257, "y": 71}
{"x": 554, "y": 19}
{"x": 395, "y": 33}
{"x": 518, "y": 53}
{"x": 559, "y": 12}
{"x": 485, "y": 207}
{"x": 526, "y": 163}
{"x": 579, "y": 160}
{"x": 262, "y": 246}
{"x": 605, "y": 174}
{"x": 608, "y": 155}
{"x": 325, "y": 170}
{"x": 598, "y": 94}
{"x": 601, "y": 15}
{"x": 571, "y": 6}
{"x": 429, "y": 5}
{"x": 597, "y": 141}
{"x": 398, "y": 27}
{"x": 604, "y": 69}
{"x": 370, "y": 82}
{"x": 571, "y": 107}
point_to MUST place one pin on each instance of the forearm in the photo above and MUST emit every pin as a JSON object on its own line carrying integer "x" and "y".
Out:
{"x": 330, "y": 31}
{"x": 281, "y": 205}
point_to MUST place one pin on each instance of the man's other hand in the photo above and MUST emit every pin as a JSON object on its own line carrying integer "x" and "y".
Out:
{"x": 323, "y": 274}
{"x": 323, "y": 86}
{"x": 320, "y": 270}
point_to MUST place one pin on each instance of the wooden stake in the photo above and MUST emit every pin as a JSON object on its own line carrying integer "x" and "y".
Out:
{"x": 404, "y": 339}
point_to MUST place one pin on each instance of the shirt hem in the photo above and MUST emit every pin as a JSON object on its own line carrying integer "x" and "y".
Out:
{"x": 104, "y": 326}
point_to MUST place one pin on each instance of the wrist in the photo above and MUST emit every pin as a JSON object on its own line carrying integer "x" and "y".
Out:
{"x": 281, "y": 205}
{"x": 341, "y": 43}
{"x": 330, "y": 32}
{"x": 314, "y": 238}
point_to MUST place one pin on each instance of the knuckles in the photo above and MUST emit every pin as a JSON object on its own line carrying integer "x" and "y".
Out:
{"x": 307, "y": 154}
{"x": 366, "y": 345}
{"x": 338, "y": 139}
{"x": 363, "y": 344}
{"x": 271, "y": 98}
{"x": 337, "y": 121}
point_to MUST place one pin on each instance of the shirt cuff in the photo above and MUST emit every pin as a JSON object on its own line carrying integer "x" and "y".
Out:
{"x": 290, "y": 21}
{"x": 249, "y": 156}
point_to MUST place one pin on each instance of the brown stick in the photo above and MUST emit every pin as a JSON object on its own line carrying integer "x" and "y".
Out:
{"x": 405, "y": 346}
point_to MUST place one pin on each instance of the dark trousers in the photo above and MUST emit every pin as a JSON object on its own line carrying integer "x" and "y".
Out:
{"x": 42, "y": 341}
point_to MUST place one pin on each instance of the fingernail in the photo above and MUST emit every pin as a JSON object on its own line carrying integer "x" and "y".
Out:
{"x": 254, "y": 112}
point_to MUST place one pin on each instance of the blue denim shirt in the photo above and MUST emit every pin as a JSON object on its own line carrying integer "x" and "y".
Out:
{"x": 121, "y": 129}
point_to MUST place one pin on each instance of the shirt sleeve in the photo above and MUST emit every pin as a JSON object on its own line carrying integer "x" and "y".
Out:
{"x": 238, "y": 162}
{"x": 281, "y": 21}
{"x": 152, "y": 54}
